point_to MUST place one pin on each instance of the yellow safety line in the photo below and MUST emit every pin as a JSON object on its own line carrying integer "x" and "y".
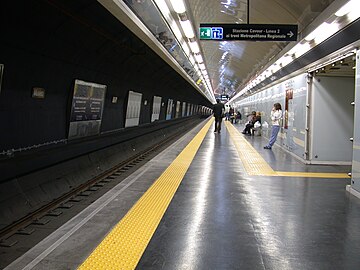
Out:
{"x": 254, "y": 163}
{"x": 123, "y": 247}
{"x": 312, "y": 174}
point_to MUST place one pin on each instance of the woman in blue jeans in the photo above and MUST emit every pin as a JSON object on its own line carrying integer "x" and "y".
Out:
{"x": 276, "y": 115}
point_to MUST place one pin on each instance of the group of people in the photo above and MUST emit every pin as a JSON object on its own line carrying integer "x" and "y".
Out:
{"x": 220, "y": 111}
{"x": 231, "y": 115}
{"x": 252, "y": 119}
{"x": 276, "y": 115}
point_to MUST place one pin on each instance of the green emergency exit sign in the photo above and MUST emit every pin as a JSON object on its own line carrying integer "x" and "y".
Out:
{"x": 205, "y": 32}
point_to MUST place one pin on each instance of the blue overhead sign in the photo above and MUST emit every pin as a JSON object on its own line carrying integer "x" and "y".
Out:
{"x": 252, "y": 32}
{"x": 211, "y": 33}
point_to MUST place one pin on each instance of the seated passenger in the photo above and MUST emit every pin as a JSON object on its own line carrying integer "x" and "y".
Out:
{"x": 250, "y": 123}
{"x": 237, "y": 117}
{"x": 258, "y": 117}
{"x": 256, "y": 130}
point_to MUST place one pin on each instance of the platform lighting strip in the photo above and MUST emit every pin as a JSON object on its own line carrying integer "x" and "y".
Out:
{"x": 186, "y": 46}
{"x": 195, "y": 56}
{"x": 351, "y": 9}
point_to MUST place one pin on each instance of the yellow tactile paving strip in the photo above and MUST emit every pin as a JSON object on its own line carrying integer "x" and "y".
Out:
{"x": 123, "y": 247}
{"x": 254, "y": 164}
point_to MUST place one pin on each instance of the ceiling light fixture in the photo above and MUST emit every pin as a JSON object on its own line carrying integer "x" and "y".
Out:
{"x": 345, "y": 9}
{"x": 188, "y": 30}
{"x": 178, "y": 6}
{"x": 194, "y": 47}
{"x": 198, "y": 58}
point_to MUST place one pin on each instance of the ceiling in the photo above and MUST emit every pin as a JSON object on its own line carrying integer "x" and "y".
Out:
{"x": 230, "y": 64}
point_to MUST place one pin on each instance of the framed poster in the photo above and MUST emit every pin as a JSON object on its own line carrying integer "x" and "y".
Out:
{"x": 156, "y": 109}
{"x": 86, "y": 109}
{"x": 177, "y": 114}
{"x": 183, "y": 109}
{"x": 169, "y": 109}
{"x": 133, "y": 109}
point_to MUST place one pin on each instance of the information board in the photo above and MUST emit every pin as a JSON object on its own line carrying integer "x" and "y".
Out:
{"x": 133, "y": 109}
{"x": 86, "y": 109}
{"x": 156, "y": 109}
{"x": 169, "y": 109}
{"x": 177, "y": 112}
{"x": 183, "y": 111}
{"x": 250, "y": 32}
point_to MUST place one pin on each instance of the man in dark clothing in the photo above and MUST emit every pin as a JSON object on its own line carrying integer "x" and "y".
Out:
{"x": 218, "y": 111}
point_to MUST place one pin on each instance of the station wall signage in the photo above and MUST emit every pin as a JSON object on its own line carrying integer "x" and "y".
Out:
{"x": 249, "y": 32}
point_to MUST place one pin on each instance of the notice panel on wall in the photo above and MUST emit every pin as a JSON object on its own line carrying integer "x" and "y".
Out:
{"x": 133, "y": 109}
{"x": 177, "y": 115}
{"x": 86, "y": 109}
{"x": 183, "y": 113}
{"x": 169, "y": 109}
{"x": 156, "y": 109}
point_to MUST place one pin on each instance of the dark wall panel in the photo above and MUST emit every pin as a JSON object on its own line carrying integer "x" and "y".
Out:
{"x": 51, "y": 43}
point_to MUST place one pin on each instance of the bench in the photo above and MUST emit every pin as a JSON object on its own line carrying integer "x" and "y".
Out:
{"x": 256, "y": 131}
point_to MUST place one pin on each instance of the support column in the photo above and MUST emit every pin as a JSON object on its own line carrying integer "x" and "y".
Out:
{"x": 354, "y": 188}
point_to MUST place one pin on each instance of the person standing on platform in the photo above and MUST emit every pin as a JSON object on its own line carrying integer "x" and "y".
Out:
{"x": 232, "y": 114}
{"x": 227, "y": 112}
{"x": 276, "y": 115}
{"x": 218, "y": 111}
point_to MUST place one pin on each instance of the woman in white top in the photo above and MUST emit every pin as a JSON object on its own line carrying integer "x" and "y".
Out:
{"x": 276, "y": 115}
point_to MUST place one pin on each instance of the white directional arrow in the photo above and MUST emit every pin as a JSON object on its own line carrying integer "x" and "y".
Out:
{"x": 290, "y": 34}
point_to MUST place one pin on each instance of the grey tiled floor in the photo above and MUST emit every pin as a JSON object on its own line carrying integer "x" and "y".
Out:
{"x": 221, "y": 218}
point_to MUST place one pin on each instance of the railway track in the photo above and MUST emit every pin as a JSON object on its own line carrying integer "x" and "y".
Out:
{"x": 69, "y": 198}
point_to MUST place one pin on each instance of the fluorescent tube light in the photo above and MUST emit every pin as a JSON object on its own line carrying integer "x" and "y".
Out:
{"x": 322, "y": 32}
{"x": 354, "y": 13}
{"x": 187, "y": 28}
{"x": 201, "y": 66}
{"x": 345, "y": 9}
{"x": 326, "y": 30}
{"x": 185, "y": 48}
{"x": 178, "y": 6}
{"x": 198, "y": 58}
{"x": 194, "y": 47}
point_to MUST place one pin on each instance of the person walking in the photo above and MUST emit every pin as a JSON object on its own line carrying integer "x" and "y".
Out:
{"x": 218, "y": 111}
{"x": 276, "y": 115}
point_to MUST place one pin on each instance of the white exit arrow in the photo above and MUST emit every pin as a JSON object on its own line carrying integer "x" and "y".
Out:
{"x": 290, "y": 34}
